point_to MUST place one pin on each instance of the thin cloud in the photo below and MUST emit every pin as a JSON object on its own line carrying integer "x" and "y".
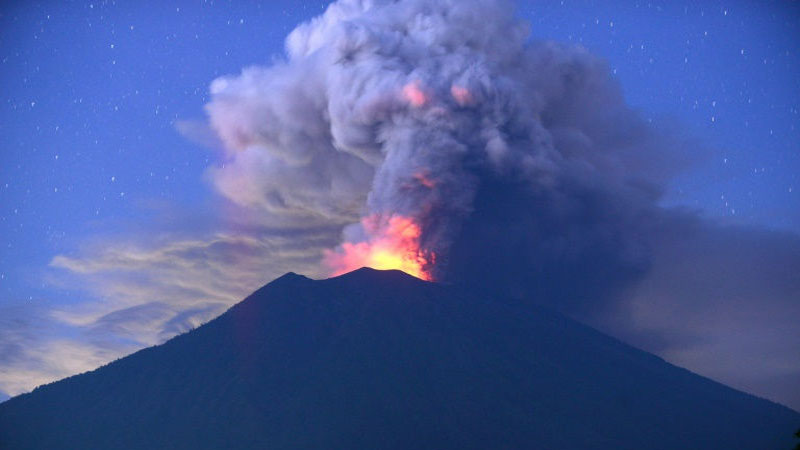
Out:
{"x": 143, "y": 296}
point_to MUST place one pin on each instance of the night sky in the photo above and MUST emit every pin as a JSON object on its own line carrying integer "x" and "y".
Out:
{"x": 112, "y": 234}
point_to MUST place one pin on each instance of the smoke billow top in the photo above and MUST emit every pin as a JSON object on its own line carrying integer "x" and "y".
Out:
{"x": 445, "y": 142}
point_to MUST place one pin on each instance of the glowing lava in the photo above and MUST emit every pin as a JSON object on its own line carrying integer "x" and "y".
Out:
{"x": 414, "y": 94}
{"x": 424, "y": 179}
{"x": 393, "y": 244}
{"x": 462, "y": 95}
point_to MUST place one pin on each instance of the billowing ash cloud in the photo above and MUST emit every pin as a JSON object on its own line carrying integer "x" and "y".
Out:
{"x": 500, "y": 150}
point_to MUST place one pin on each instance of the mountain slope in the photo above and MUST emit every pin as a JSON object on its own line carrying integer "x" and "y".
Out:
{"x": 378, "y": 359}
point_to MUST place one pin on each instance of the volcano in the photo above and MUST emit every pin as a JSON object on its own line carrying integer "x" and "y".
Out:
{"x": 380, "y": 359}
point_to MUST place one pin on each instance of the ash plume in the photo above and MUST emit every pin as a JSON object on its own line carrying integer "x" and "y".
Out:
{"x": 517, "y": 160}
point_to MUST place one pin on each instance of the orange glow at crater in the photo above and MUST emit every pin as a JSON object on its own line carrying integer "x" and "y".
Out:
{"x": 414, "y": 94}
{"x": 393, "y": 244}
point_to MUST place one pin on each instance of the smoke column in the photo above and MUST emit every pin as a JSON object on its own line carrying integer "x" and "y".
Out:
{"x": 444, "y": 142}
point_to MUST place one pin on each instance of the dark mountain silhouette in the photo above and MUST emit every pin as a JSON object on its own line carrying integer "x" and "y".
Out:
{"x": 379, "y": 359}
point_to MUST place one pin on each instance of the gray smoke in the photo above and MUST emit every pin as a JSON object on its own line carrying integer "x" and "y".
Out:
{"x": 412, "y": 108}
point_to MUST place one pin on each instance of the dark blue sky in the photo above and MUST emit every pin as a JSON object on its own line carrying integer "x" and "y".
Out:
{"x": 92, "y": 91}
{"x": 727, "y": 72}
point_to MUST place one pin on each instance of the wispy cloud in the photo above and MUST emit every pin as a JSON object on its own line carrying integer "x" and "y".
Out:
{"x": 143, "y": 295}
{"x": 36, "y": 348}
